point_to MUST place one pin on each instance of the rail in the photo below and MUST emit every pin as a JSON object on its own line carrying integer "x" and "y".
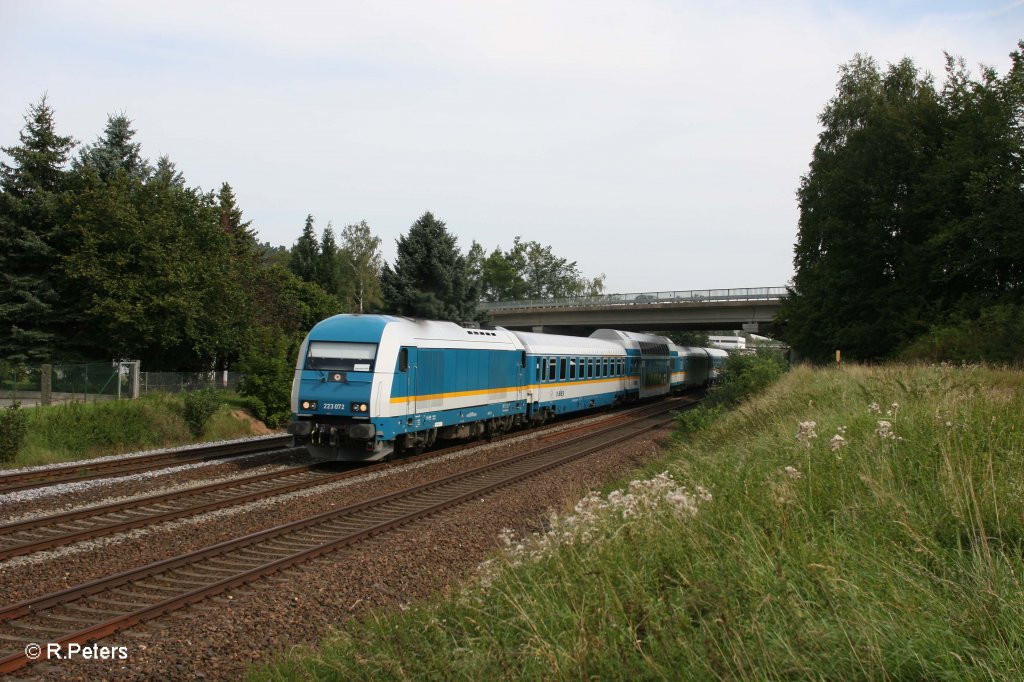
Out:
{"x": 87, "y": 470}
{"x": 127, "y": 598}
{"x": 645, "y": 298}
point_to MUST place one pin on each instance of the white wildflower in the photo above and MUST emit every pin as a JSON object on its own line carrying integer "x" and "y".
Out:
{"x": 684, "y": 505}
{"x": 595, "y": 518}
{"x": 792, "y": 473}
{"x": 874, "y": 408}
{"x": 837, "y": 442}
{"x": 805, "y": 432}
{"x": 506, "y": 536}
{"x": 893, "y": 409}
{"x": 885, "y": 431}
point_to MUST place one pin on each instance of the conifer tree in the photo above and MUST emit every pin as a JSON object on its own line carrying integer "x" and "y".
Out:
{"x": 327, "y": 264}
{"x": 305, "y": 253}
{"x": 167, "y": 173}
{"x": 231, "y": 215}
{"x": 430, "y": 277}
{"x": 31, "y": 236}
{"x": 115, "y": 152}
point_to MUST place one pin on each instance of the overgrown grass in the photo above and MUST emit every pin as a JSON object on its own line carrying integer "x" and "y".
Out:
{"x": 888, "y": 553}
{"x": 62, "y": 433}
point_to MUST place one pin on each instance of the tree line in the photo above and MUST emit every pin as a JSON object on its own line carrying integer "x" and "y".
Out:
{"x": 104, "y": 254}
{"x": 911, "y": 230}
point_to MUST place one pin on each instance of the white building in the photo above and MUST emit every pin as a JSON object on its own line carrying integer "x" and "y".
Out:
{"x": 728, "y": 342}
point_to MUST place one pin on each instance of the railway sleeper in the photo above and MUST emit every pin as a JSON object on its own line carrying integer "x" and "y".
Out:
{"x": 30, "y": 627}
{"x": 90, "y": 611}
{"x": 139, "y": 600}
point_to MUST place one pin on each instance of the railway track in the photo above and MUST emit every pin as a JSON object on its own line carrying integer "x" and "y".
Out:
{"x": 57, "y": 530}
{"x": 84, "y": 471}
{"x": 101, "y": 607}
{"x": 47, "y": 532}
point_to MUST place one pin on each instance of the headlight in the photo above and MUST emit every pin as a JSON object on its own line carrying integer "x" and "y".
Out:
{"x": 360, "y": 407}
{"x": 308, "y": 404}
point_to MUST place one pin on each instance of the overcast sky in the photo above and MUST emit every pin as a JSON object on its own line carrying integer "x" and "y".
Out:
{"x": 660, "y": 143}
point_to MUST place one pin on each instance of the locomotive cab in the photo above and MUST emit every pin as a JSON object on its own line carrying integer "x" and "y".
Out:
{"x": 335, "y": 391}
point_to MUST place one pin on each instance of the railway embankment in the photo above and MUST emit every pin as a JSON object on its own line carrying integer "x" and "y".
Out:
{"x": 858, "y": 523}
{"x": 83, "y": 430}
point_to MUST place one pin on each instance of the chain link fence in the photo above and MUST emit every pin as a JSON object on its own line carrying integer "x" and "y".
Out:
{"x": 63, "y": 383}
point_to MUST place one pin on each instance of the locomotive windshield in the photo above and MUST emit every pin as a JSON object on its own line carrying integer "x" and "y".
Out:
{"x": 347, "y": 357}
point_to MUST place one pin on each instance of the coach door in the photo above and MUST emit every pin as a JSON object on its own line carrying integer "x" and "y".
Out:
{"x": 405, "y": 379}
{"x": 522, "y": 377}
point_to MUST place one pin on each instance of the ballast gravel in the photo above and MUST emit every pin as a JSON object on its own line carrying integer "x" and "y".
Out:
{"x": 74, "y": 495}
{"x": 142, "y": 453}
{"x": 219, "y": 638}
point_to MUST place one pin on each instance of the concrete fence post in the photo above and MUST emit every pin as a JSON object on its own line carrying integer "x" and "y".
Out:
{"x": 133, "y": 379}
{"x": 45, "y": 384}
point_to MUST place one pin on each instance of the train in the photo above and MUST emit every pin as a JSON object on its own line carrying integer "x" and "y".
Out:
{"x": 370, "y": 387}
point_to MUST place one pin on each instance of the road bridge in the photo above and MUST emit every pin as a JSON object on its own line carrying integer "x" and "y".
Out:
{"x": 752, "y": 310}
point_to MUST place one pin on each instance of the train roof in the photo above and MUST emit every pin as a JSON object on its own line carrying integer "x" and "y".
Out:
{"x": 645, "y": 343}
{"x": 370, "y": 329}
{"x": 698, "y": 350}
{"x": 554, "y": 344}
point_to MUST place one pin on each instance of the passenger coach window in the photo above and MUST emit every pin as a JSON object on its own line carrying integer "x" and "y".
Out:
{"x": 562, "y": 369}
{"x": 347, "y": 357}
{"x": 572, "y": 368}
{"x": 552, "y": 364}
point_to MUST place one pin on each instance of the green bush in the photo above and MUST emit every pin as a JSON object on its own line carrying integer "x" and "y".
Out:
{"x": 995, "y": 335}
{"x": 13, "y": 432}
{"x": 746, "y": 375}
{"x": 268, "y": 366}
{"x": 697, "y": 418}
{"x": 199, "y": 407}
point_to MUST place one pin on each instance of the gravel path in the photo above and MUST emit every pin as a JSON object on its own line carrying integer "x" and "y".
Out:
{"x": 218, "y": 638}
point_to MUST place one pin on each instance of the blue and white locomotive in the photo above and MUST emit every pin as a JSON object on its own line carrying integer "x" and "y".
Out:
{"x": 367, "y": 386}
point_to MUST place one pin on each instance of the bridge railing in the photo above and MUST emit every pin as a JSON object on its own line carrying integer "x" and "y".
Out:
{"x": 646, "y": 298}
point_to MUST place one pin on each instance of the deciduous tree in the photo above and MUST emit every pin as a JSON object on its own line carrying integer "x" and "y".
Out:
{"x": 910, "y": 213}
{"x": 361, "y": 264}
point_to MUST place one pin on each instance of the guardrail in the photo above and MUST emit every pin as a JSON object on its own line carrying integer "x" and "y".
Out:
{"x": 646, "y": 298}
